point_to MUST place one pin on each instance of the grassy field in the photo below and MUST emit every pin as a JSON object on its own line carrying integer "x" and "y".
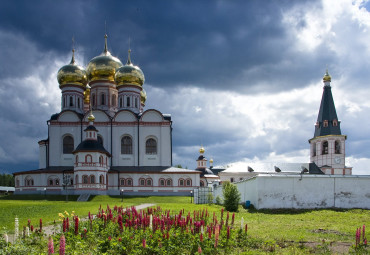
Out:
{"x": 275, "y": 227}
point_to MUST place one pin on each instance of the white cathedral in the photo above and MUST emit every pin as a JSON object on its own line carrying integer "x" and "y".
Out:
{"x": 104, "y": 142}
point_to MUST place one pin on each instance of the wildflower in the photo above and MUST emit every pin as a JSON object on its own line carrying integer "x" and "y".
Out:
{"x": 120, "y": 239}
{"x": 31, "y": 228}
{"x": 242, "y": 223}
{"x": 201, "y": 237}
{"x": 16, "y": 228}
{"x": 50, "y": 246}
{"x": 109, "y": 238}
{"x": 199, "y": 249}
{"x": 144, "y": 243}
{"x": 61, "y": 215}
{"x": 246, "y": 228}
{"x": 232, "y": 219}
{"x": 40, "y": 225}
{"x": 228, "y": 232}
{"x": 76, "y": 225}
{"x": 62, "y": 245}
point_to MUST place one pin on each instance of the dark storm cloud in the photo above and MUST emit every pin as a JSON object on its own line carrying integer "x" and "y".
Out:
{"x": 211, "y": 44}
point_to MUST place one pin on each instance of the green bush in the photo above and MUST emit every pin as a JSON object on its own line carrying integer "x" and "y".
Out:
{"x": 231, "y": 196}
{"x": 218, "y": 200}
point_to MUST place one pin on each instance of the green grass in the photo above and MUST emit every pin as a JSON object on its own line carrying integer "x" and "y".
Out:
{"x": 36, "y": 207}
{"x": 272, "y": 226}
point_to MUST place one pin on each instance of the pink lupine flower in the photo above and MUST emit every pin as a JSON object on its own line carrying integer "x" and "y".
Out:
{"x": 76, "y": 225}
{"x": 50, "y": 246}
{"x": 201, "y": 237}
{"x": 246, "y": 228}
{"x": 199, "y": 249}
{"x": 232, "y": 219}
{"x": 144, "y": 243}
{"x": 62, "y": 245}
{"x": 228, "y": 232}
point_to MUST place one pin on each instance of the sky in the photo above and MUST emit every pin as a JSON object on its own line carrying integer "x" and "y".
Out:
{"x": 241, "y": 78}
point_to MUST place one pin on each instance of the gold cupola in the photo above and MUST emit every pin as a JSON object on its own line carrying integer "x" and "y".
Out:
{"x": 327, "y": 77}
{"x": 201, "y": 150}
{"x": 129, "y": 74}
{"x": 72, "y": 74}
{"x": 143, "y": 96}
{"x": 103, "y": 67}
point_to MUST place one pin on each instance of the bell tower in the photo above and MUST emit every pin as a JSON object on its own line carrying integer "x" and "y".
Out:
{"x": 327, "y": 147}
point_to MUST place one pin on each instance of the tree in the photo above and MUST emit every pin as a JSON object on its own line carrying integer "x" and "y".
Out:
{"x": 231, "y": 196}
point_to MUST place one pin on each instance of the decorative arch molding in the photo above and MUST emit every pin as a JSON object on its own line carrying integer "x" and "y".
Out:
{"x": 69, "y": 116}
{"x": 152, "y": 115}
{"x": 68, "y": 143}
{"x": 125, "y": 115}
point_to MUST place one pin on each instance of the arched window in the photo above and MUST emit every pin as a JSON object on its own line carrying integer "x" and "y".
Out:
{"x": 326, "y": 123}
{"x": 181, "y": 182}
{"x": 68, "y": 144}
{"x": 122, "y": 182}
{"x": 337, "y": 147}
{"x": 325, "y": 148}
{"x": 126, "y": 145}
{"x": 101, "y": 160}
{"x": 120, "y": 102}
{"x": 161, "y": 182}
{"x": 142, "y": 182}
{"x": 101, "y": 179}
{"x": 231, "y": 179}
{"x": 149, "y": 182}
{"x": 50, "y": 182}
{"x": 28, "y": 181}
{"x": 93, "y": 100}
{"x": 88, "y": 158}
{"x": 314, "y": 150}
{"x": 64, "y": 102}
{"x": 168, "y": 182}
{"x": 102, "y": 99}
{"x": 78, "y": 103}
{"x": 85, "y": 179}
{"x": 128, "y": 101}
{"x": 129, "y": 182}
{"x": 113, "y": 100}
{"x": 70, "y": 101}
{"x": 135, "y": 102}
{"x": 92, "y": 179}
{"x": 188, "y": 182}
{"x": 201, "y": 183}
{"x": 151, "y": 146}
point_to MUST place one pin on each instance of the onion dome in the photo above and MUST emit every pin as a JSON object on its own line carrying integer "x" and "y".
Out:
{"x": 129, "y": 74}
{"x": 327, "y": 77}
{"x": 143, "y": 96}
{"x": 201, "y": 150}
{"x": 103, "y": 67}
{"x": 211, "y": 160}
{"x": 72, "y": 74}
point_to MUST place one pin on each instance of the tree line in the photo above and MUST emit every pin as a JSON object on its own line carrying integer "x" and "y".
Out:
{"x": 7, "y": 180}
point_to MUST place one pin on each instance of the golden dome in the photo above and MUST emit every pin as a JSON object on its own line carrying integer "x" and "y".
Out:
{"x": 72, "y": 74}
{"x": 129, "y": 74}
{"x": 91, "y": 117}
{"x": 201, "y": 150}
{"x": 211, "y": 160}
{"x": 327, "y": 77}
{"x": 103, "y": 67}
{"x": 143, "y": 96}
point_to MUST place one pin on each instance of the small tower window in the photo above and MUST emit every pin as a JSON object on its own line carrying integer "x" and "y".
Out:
{"x": 101, "y": 179}
{"x": 168, "y": 182}
{"x": 120, "y": 102}
{"x": 102, "y": 99}
{"x": 78, "y": 102}
{"x": 314, "y": 149}
{"x": 326, "y": 123}
{"x": 335, "y": 122}
{"x": 113, "y": 100}
{"x": 85, "y": 179}
{"x": 337, "y": 147}
{"x": 325, "y": 148}
{"x": 135, "y": 102}
{"x": 92, "y": 179}
{"x": 70, "y": 101}
{"x": 64, "y": 102}
{"x": 128, "y": 101}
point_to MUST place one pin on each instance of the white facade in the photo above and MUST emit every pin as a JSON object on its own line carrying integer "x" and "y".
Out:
{"x": 270, "y": 191}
